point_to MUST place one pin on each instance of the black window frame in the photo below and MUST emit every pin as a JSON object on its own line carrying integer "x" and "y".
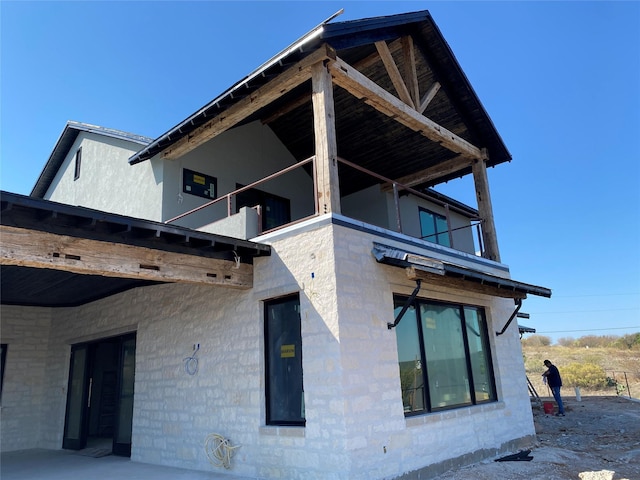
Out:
{"x": 270, "y": 390}
{"x": 77, "y": 164}
{"x": 3, "y": 364}
{"x": 435, "y": 237}
{"x": 199, "y": 189}
{"x": 254, "y": 196}
{"x": 399, "y": 302}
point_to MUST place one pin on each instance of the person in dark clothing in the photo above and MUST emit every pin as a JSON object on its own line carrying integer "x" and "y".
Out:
{"x": 554, "y": 381}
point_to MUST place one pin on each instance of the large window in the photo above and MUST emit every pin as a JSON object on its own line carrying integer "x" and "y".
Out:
{"x": 444, "y": 356}
{"x": 433, "y": 227}
{"x": 283, "y": 351}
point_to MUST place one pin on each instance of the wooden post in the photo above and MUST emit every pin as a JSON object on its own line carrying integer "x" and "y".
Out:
{"x": 325, "y": 135}
{"x": 479, "y": 169}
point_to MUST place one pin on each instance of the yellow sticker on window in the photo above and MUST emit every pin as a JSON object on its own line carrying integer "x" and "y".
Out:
{"x": 199, "y": 179}
{"x": 287, "y": 351}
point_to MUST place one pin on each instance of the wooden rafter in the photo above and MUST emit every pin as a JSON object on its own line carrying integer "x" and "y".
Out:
{"x": 425, "y": 176}
{"x": 394, "y": 73}
{"x": 288, "y": 80}
{"x": 410, "y": 69}
{"x": 426, "y": 100}
{"x": 362, "y": 87}
{"x": 36, "y": 249}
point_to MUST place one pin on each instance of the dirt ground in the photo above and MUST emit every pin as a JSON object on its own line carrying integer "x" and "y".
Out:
{"x": 598, "y": 439}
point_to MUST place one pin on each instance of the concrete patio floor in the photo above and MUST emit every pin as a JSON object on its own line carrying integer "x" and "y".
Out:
{"x": 40, "y": 464}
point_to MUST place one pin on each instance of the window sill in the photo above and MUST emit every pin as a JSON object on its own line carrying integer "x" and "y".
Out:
{"x": 457, "y": 413}
{"x": 282, "y": 431}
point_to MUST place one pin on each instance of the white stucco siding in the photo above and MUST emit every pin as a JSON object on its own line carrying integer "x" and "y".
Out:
{"x": 378, "y": 208}
{"x": 241, "y": 155}
{"x": 107, "y": 182}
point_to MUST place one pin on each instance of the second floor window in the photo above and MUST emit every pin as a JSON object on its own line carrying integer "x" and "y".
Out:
{"x": 433, "y": 227}
{"x": 276, "y": 211}
{"x": 78, "y": 161}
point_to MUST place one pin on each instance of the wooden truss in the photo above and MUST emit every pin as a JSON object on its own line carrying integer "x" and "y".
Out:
{"x": 406, "y": 106}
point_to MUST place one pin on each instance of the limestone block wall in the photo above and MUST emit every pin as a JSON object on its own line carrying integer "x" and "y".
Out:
{"x": 26, "y": 332}
{"x": 381, "y": 442}
{"x": 355, "y": 426}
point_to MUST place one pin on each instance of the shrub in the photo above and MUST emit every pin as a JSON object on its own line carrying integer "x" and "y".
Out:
{"x": 584, "y": 375}
{"x": 537, "y": 341}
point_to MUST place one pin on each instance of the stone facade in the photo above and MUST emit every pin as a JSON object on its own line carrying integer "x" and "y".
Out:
{"x": 355, "y": 425}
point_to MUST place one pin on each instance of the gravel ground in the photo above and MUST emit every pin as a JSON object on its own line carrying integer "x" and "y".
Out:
{"x": 598, "y": 439}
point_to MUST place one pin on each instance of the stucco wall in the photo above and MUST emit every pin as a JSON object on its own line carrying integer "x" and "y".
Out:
{"x": 241, "y": 155}
{"x": 378, "y": 208}
{"x": 107, "y": 182}
{"x": 355, "y": 426}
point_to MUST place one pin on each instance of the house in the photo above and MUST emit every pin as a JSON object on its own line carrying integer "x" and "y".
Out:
{"x": 276, "y": 270}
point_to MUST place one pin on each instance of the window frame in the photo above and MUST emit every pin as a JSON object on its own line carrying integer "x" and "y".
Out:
{"x": 3, "y": 364}
{"x": 254, "y": 196}
{"x": 198, "y": 188}
{"x": 270, "y": 389}
{"x": 415, "y": 316}
{"x": 436, "y": 236}
{"x": 77, "y": 164}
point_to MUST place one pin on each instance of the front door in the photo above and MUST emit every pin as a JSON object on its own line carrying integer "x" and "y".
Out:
{"x": 100, "y": 395}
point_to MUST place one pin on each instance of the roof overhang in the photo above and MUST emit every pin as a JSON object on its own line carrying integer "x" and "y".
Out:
{"x": 420, "y": 267}
{"x": 278, "y": 94}
{"x": 60, "y": 255}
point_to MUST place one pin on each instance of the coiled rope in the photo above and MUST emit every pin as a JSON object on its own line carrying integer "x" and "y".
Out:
{"x": 219, "y": 450}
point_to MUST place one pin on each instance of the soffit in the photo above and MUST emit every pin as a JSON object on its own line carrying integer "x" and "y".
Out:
{"x": 365, "y": 136}
{"x": 49, "y": 225}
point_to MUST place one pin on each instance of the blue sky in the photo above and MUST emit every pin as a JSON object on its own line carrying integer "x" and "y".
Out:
{"x": 560, "y": 80}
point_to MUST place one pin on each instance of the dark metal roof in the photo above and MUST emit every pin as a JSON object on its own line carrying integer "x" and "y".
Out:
{"x": 365, "y": 136}
{"x": 44, "y": 287}
{"x": 65, "y": 141}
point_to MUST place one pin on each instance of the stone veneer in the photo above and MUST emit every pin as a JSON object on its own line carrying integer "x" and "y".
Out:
{"x": 355, "y": 426}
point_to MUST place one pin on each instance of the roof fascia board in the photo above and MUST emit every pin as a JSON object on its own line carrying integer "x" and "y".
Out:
{"x": 299, "y": 44}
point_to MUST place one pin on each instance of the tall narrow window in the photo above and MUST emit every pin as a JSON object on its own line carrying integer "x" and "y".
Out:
{"x": 433, "y": 227}
{"x": 283, "y": 351}
{"x": 444, "y": 356}
{"x": 3, "y": 358}
{"x": 78, "y": 161}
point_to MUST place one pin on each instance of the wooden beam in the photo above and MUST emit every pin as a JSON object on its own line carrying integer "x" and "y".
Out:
{"x": 430, "y": 174}
{"x": 485, "y": 209}
{"x": 426, "y": 100}
{"x": 286, "y": 81}
{"x": 361, "y": 87}
{"x": 410, "y": 70}
{"x": 461, "y": 284}
{"x": 374, "y": 58}
{"x": 31, "y": 248}
{"x": 328, "y": 189}
{"x": 394, "y": 73}
{"x": 289, "y": 107}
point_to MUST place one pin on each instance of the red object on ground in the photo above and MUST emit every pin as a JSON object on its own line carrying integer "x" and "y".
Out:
{"x": 548, "y": 407}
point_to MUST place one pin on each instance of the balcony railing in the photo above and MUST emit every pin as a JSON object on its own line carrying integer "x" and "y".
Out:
{"x": 475, "y": 226}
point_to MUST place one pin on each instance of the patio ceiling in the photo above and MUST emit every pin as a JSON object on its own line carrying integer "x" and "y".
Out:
{"x": 60, "y": 255}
